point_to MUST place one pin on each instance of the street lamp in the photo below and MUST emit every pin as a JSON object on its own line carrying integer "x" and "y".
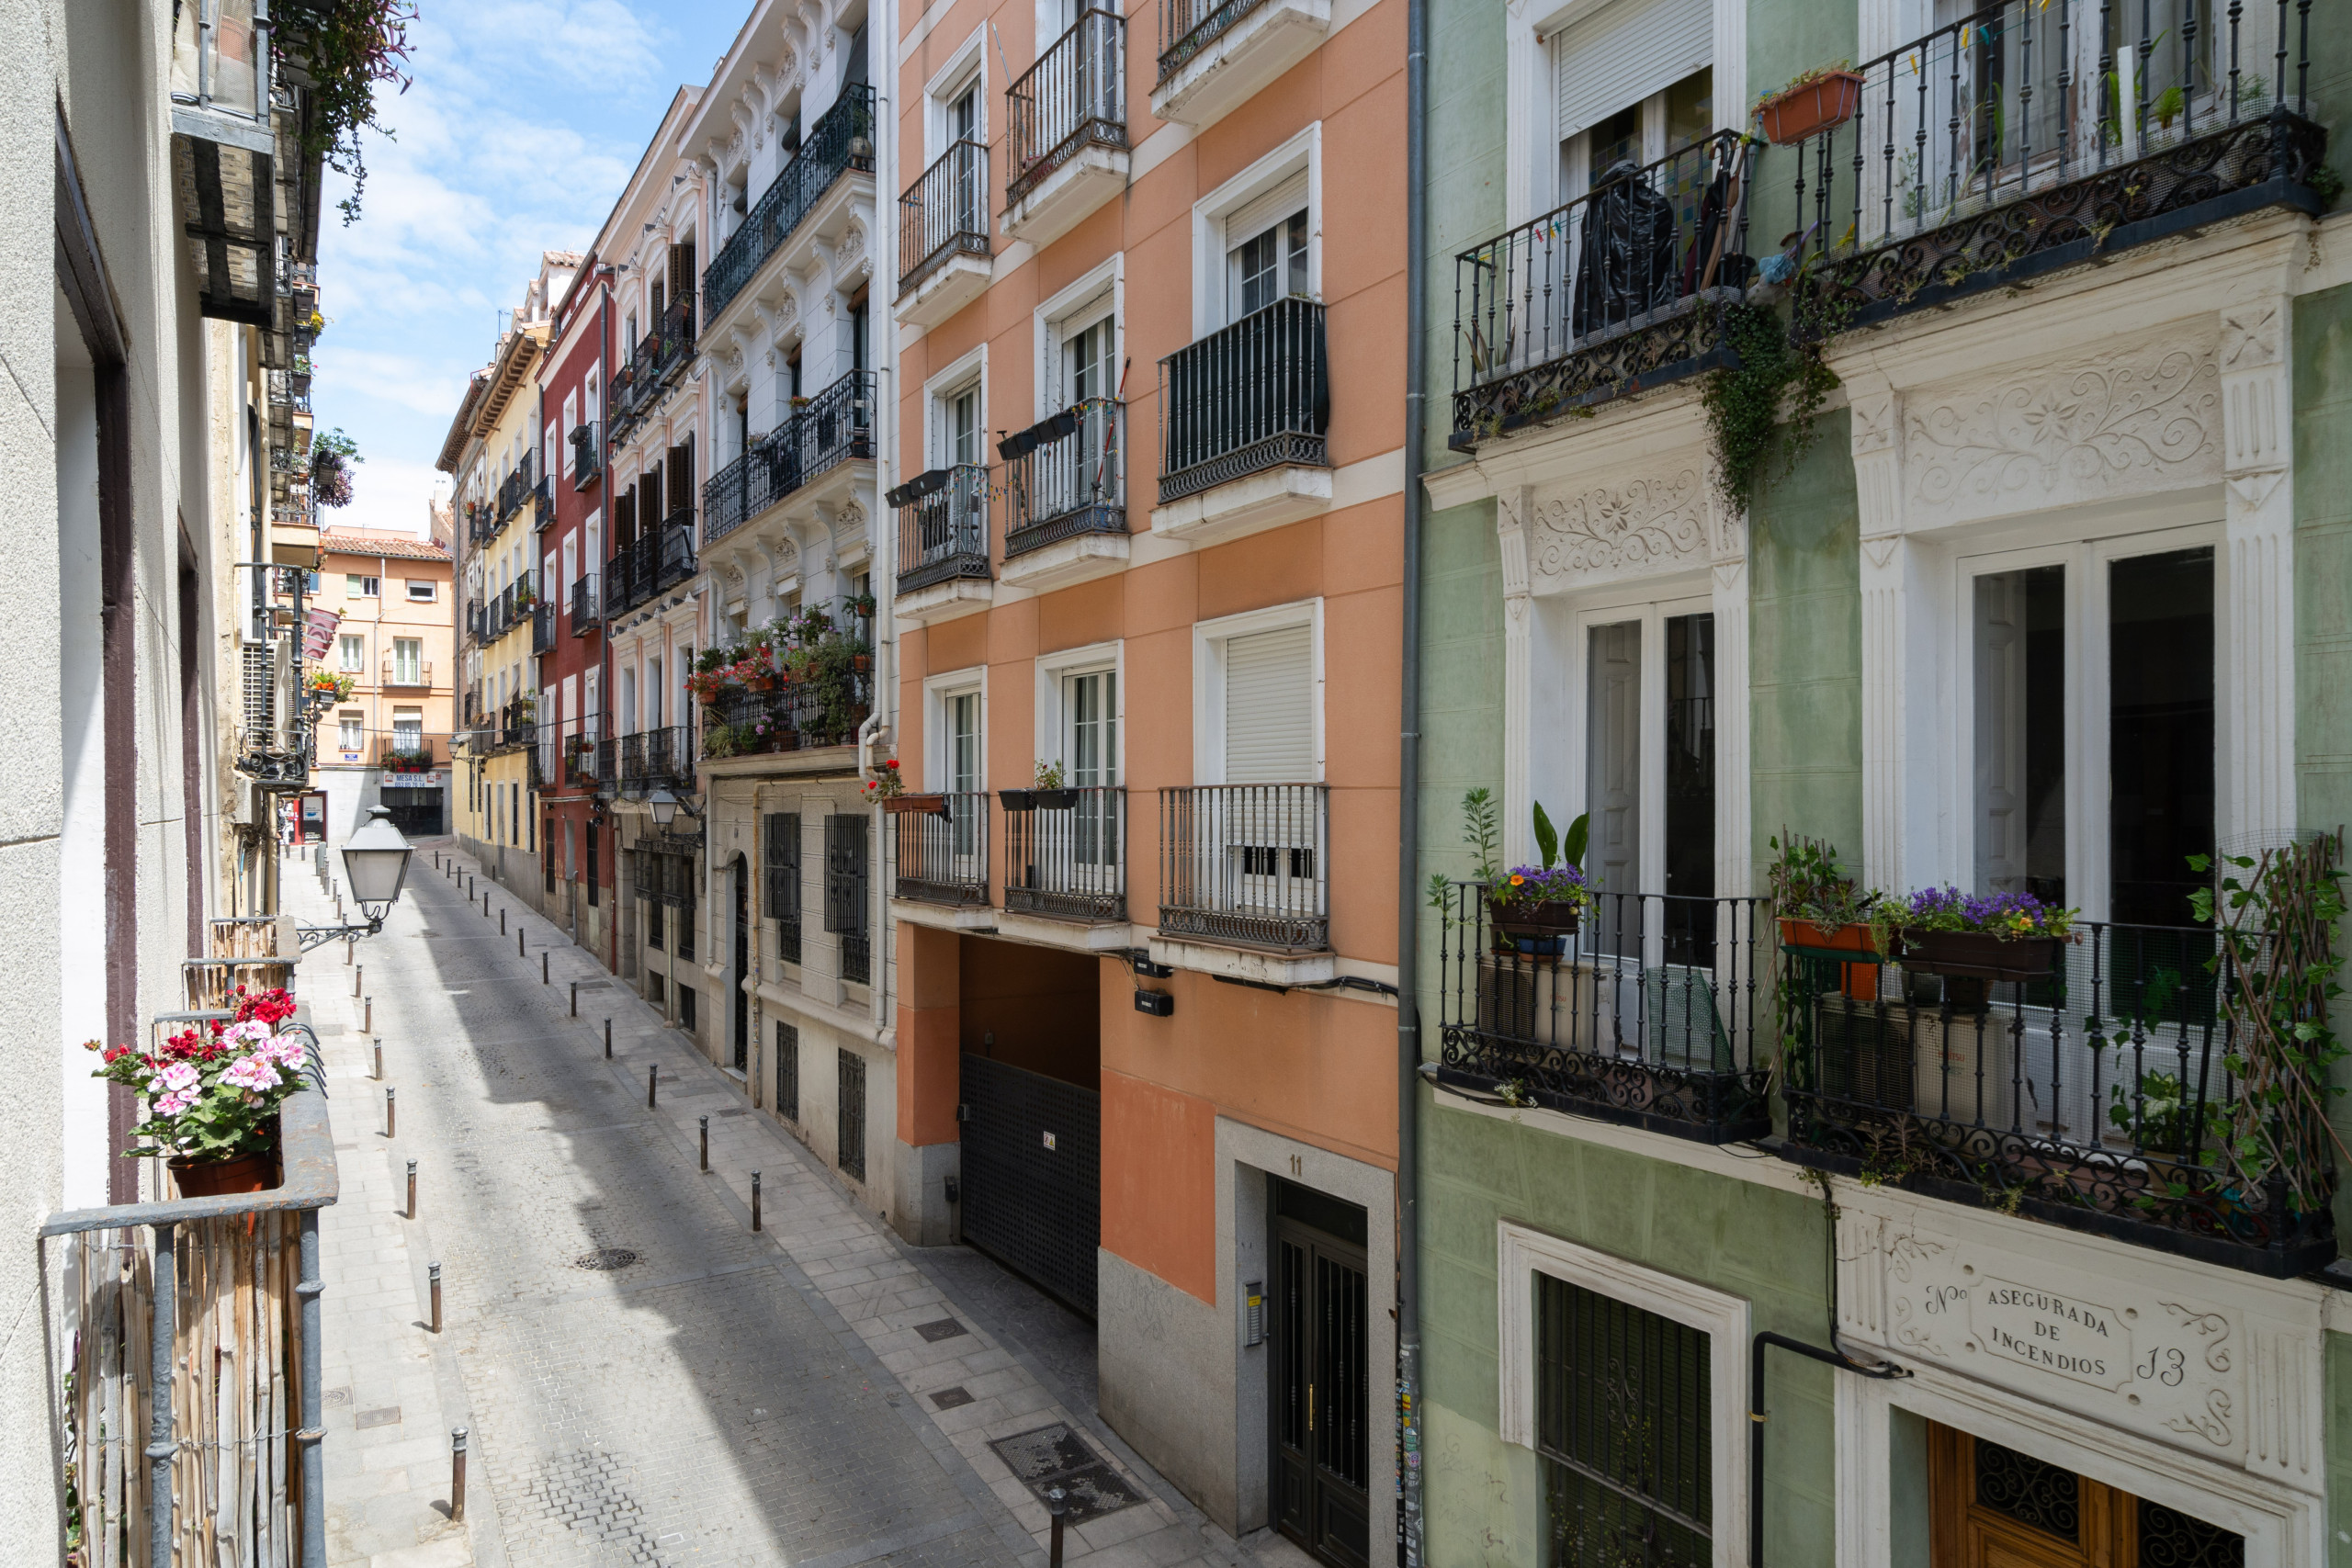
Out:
{"x": 375, "y": 858}
{"x": 666, "y": 807}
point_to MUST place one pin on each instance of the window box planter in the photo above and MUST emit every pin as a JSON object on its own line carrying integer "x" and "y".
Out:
{"x": 1056, "y": 799}
{"x": 916, "y": 806}
{"x": 1811, "y": 108}
{"x": 1859, "y": 981}
{"x": 1978, "y": 955}
{"x": 1018, "y": 799}
{"x": 1533, "y": 930}
{"x": 256, "y": 1172}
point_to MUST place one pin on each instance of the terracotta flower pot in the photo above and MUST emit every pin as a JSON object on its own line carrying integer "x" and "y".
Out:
{"x": 1827, "y": 101}
{"x": 1533, "y": 930}
{"x": 224, "y": 1177}
{"x": 1859, "y": 981}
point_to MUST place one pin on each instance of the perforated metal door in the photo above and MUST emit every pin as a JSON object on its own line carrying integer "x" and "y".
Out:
{"x": 1033, "y": 1176}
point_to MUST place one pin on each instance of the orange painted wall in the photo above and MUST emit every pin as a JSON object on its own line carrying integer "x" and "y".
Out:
{"x": 1159, "y": 1182}
{"x": 928, "y": 1073}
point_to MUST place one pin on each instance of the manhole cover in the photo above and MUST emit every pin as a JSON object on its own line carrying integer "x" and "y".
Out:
{"x": 605, "y": 1260}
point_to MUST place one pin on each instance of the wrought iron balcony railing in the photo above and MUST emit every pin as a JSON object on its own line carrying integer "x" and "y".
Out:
{"x": 542, "y": 503}
{"x": 832, "y": 428}
{"x": 1247, "y": 865}
{"x": 543, "y": 627}
{"x": 1188, "y": 27}
{"x": 2034, "y": 135}
{"x": 1649, "y": 1015}
{"x": 581, "y": 754}
{"x": 2105, "y": 1095}
{"x": 413, "y": 752}
{"x": 1075, "y": 96}
{"x": 587, "y": 605}
{"x": 1066, "y": 475}
{"x": 1626, "y": 286}
{"x": 658, "y": 757}
{"x": 944, "y": 213}
{"x": 587, "y": 454}
{"x": 658, "y": 559}
{"x": 1065, "y": 854}
{"x": 841, "y": 140}
{"x": 825, "y": 708}
{"x": 945, "y": 859}
{"x": 943, "y": 526}
{"x": 408, "y": 672}
{"x": 190, "y": 1331}
{"x": 1255, "y": 395}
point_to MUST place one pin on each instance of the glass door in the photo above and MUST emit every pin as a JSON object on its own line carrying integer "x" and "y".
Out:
{"x": 1091, "y": 750}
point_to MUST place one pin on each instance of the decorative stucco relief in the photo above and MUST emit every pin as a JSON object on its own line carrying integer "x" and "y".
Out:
{"x": 1656, "y": 524}
{"x": 2135, "y": 419}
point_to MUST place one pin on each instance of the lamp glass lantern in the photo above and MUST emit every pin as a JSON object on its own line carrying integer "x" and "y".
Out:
{"x": 376, "y": 860}
{"x": 664, "y": 806}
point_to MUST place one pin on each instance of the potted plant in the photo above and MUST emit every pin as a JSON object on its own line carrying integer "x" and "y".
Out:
{"x": 1980, "y": 938}
{"x": 1818, "y": 100}
{"x": 1820, "y": 908}
{"x": 887, "y": 785}
{"x": 213, "y": 1093}
{"x": 1054, "y": 792}
{"x": 1535, "y": 909}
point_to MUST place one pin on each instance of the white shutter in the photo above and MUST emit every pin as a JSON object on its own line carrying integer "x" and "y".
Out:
{"x": 1623, "y": 52}
{"x": 1252, "y": 219}
{"x": 1270, "y": 707}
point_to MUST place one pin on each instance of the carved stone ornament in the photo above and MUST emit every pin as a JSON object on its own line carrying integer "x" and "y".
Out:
{"x": 2128, "y": 420}
{"x": 1656, "y": 524}
{"x": 2250, "y": 336}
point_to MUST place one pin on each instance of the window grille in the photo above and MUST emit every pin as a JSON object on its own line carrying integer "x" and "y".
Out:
{"x": 788, "y": 1071}
{"x": 851, "y": 1127}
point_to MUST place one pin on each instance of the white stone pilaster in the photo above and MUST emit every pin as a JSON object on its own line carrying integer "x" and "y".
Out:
{"x": 2254, "y": 678}
{"x": 1519, "y": 663}
{"x": 1885, "y": 561}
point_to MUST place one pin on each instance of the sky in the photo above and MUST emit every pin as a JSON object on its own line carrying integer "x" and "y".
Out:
{"x": 523, "y": 121}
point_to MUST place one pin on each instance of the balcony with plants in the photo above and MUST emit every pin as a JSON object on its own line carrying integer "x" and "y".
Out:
{"x": 1244, "y": 416}
{"x": 2035, "y": 135}
{"x": 1067, "y": 129}
{"x": 2164, "y": 1086}
{"x": 944, "y": 246}
{"x": 1065, "y": 853}
{"x": 941, "y": 844}
{"x": 838, "y": 149}
{"x": 942, "y": 544}
{"x": 800, "y": 684}
{"x": 1643, "y": 1009}
{"x": 651, "y": 366}
{"x": 1631, "y": 286}
{"x": 1215, "y": 55}
{"x": 1066, "y": 496}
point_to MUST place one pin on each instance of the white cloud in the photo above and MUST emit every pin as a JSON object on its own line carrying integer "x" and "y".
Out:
{"x": 389, "y": 495}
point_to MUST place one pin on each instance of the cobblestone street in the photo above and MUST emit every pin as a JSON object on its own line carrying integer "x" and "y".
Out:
{"x": 645, "y": 1379}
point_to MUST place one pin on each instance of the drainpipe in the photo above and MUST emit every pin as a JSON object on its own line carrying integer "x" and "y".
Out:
{"x": 1408, "y": 790}
{"x": 876, "y": 731}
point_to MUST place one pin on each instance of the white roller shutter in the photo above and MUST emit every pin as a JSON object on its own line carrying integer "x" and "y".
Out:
{"x": 1254, "y": 218}
{"x": 1624, "y": 51}
{"x": 1270, "y": 707}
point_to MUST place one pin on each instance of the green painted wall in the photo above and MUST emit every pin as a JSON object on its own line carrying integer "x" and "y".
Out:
{"x": 2323, "y": 558}
{"x": 1806, "y": 652}
{"x": 1767, "y": 1245}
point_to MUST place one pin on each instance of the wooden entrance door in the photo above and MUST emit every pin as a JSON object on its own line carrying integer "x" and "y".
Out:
{"x": 1994, "y": 1507}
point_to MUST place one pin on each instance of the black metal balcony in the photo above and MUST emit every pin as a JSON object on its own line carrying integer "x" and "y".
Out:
{"x": 944, "y": 214}
{"x": 1066, "y": 854}
{"x": 1066, "y": 475}
{"x": 825, "y": 708}
{"x": 1247, "y": 865}
{"x": 587, "y": 454}
{"x": 2104, "y": 1097}
{"x": 1074, "y": 96}
{"x": 657, "y": 561}
{"x": 943, "y": 526}
{"x": 542, "y": 503}
{"x": 1624, "y": 288}
{"x": 1649, "y": 1017}
{"x": 543, "y": 627}
{"x": 945, "y": 860}
{"x": 477, "y": 626}
{"x": 581, "y": 755}
{"x": 1188, "y": 27}
{"x": 587, "y": 605}
{"x": 516, "y": 489}
{"x": 842, "y": 140}
{"x": 832, "y": 428}
{"x": 1991, "y": 149}
{"x": 1256, "y": 395}
{"x": 606, "y": 760}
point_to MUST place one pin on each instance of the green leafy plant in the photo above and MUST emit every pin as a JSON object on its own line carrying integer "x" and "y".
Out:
{"x": 332, "y": 456}
{"x": 1799, "y": 82}
{"x": 1755, "y": 448}
{"x": 342, "y": 51}
{"x": 1482, "y": 834}
{"x": 1048, "y": 774}
{"x": 1806, "y": 883}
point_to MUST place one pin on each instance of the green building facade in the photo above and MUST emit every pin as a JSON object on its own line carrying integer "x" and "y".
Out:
{"x": 2052, "y": 588}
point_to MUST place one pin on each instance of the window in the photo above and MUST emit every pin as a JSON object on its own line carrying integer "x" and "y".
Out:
{"x": 963, "y": 736}
{"x": 788, "y": 1071}
{"x": 421, "y": 593}
{"x": 408, "y": 661}
{"x": 783, "y": 892}
{"x": 1269, "y": 706}
{"x": 351, "y": 652}
{"x": 686, "y": 999}
{"x": 652, "y": 693}
{"x": 960, "y": 424}
{"x": 354, "y": 586}
{"x": 850, "y": 1123}
{"x": 554, "y": 461}
{"x": 845, "y": 860}
{"x": 2136, "y": 625}
{"x": 570, "y": 422}
{"x": 1633, "y": 84}
{"x": 351, "y": 733}
{"x": 683, "y": 879}
{"x": 1650, "y": 748}
{"x": 1623, "y": 1430}
{"x": 1267, "y": 258}
{"x": 408, "y": 729}
{"x": 1090, "y": 728}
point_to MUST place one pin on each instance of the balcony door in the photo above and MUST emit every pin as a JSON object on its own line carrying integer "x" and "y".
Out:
{"x": 1091, "y": 764}
{"x": 964, "y": 776}
{"x": 1266, "y": 250}
{"x": 967, "y": 199}
{"x": 1268, "y": 831}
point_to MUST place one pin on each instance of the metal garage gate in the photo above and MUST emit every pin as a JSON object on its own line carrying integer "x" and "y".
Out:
{"x": 1033, "y": 1175}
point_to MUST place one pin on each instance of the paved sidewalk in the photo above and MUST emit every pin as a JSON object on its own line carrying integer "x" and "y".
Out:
{"x": 646, "y": 1379}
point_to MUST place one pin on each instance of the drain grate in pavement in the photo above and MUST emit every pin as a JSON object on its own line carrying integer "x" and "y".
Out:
{"x": 605, "y": 1260}
{"x": 1056, "y": 1456}
{"x": 946, "y": 1328}
{"x": 388, "y": 1416}
{"x": 949, "y": 1398}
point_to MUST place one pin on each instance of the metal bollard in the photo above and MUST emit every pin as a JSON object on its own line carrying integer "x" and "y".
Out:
{"x": 346, "y": 952}
{"x": 501, "y": 922}
{"x": 456, "y": 1474}
{"x": 368, "y": 1015}
{"x": 520, "y": 938}
{"x": 412, "y": 1190}
{"x": 542, "y": 964}
{"x": 379, "y": 1059}
{"x": 756, "y": 1200}
{"x": 356, "y": 975}
{"x": 1057, "y": 1505}
{"x": 706, "y": 1142}
{"x": 652, "y": 1076}
{"x": 433, "y": 1281}
{"x": 391, "y": 1110}
{"x": 608, "y": 1040}
{"x": 575, "y": 998}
